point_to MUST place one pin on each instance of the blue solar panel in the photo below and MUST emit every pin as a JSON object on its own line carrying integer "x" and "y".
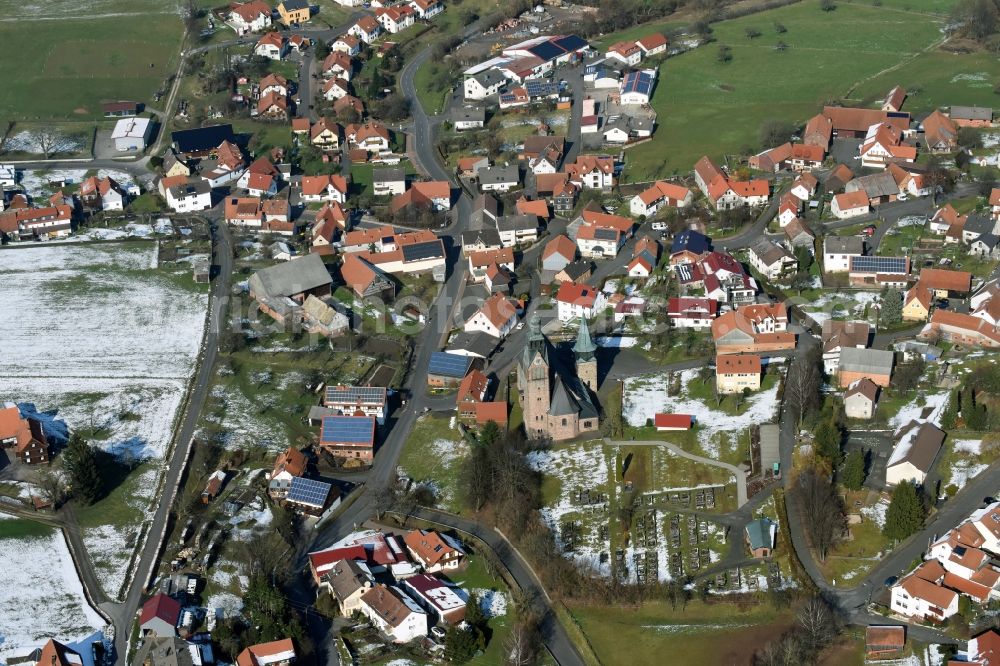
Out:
{"x": 639, "y": 82}
{"x": 541, "y": 88}
{"x": 878, "y": 265}
{"x": 546, "y": 51}
{"x": 372, "y": 395}
{"x": 308, "y": 491}
{"x": 349, "y": 429}
{"x": 571, "y": 42}
{"x": 449, "y": 365}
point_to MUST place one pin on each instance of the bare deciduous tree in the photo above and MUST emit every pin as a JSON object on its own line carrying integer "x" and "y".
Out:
{"x": 817, "y": 623}
{"x": 47, "y": 139}
{"x": 802, "y": 386}
{"x": 822, "y": 508}
{"x": 521, "y": 645}
{"x": 53, "y": 487}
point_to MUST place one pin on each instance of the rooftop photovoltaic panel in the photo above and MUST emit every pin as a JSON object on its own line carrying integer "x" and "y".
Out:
{"x": 639, "y": 82}
{"x": 450, "y": 365}
{"x": 878, "y": 265}
{"x": 350, "y": 429}
{"x": 602, "y": 233}
{"x": 425, "y": 250}
{"x": 355, "y": 394}
{"x": 308, "y": 491}
{"x": 540, "y": 88}
{"x": 571, "y": 42}
{"x": 547, "y": 51}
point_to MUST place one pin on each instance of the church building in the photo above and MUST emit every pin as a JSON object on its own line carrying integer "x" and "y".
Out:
{"x": 558, "y": 401}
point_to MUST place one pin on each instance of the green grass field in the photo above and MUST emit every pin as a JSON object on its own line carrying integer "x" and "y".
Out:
{"x": 708, "y": 107}
{"x": 19, "y": 528}
{"x": 703, "y": 633}
{"x": 66, "y": 68}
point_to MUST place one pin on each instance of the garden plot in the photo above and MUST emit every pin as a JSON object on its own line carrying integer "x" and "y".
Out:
{"x": 579, "y": 513}
{"x": 41, "y": 596}
{"x": 120, "y": 340}
{"x": 646, "y": 396}
{"x": 433, "y": 456}
{"x": 241, "y": 425}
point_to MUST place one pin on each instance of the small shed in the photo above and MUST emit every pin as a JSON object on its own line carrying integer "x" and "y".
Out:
{"x": 673, "y": 422}
{"x": 760, "y": 535}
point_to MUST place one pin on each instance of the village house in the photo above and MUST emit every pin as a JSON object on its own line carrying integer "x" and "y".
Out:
{"x": 736, "y": 373}
{"x": 348, "y": 44}
{"x": 274, "y": 653}
{"x": 517, "y": 229}
{"x": 395, "y": 19}
{"x": 857, "y": 363}
{"x": 437, "y": 598}
{"x": 367, "y": 29}
{"x": 335, "y": 89}
{"x": 659, "y": 194}
{"x": 324, "y": 188}
{"x": 468, "y": 117}
{"x": 959, "y": 328}
{"x": 24, "y": 436}
{"x": 837, "y": 335}
{"x": 189, "y": 196}
{"x": 850, "y": 204}
{"x": 271, "y": 45}
{"x": 788, "y": 209}
{"x": 940, "y": 133}
{"x": 433, "y": 551}
{"x": 293, "y": 12}
{"x": 325, "y": 135}
{"x": 627, "y": 53}
{"x": 496, "y": 317}
{"x": 883, "y": 144}
{"x": 772, "y": 260}
{"x": 103, "y": 194}
{"x": 426, "y": 9}
{"x": 598, "y": 242}
{"x": 347, "y": 581}
{"x": 481, "y": 260}
{"x": 696, "y": 313}
{"x": 159, "y": 616}
{"x": 797, "y": 234}
{"x": 357, "y": 400}
{"x": 471, "y": 392}
{"x": 371, "y": 136}
{"x": 592, "y": 172}
{"x": 499, "y": 178}
{"x": 348, "y": 436}
{"x": 252, "y": 16}
{"x": 971, "y": 116}
{"x": 838, "y": 252}
{"x": 920, "y": 595}
{"x": 289, "y": 464}
{"x": 484, "y": 84}
{"x": 433, "y": 194}
{"x": 726, "y": 194}
{"x": 393, "y": 613}
{"x": 753, "y": 329}
{"x": 917, "y": 448}
{"x": 557, "y": 253}
{"x": 578, "y": 301}
{"x": 365, "y": 279}
{"x": 860, "y": 399}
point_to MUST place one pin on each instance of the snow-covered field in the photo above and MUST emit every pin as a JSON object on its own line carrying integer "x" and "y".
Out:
{"x": 646, "y": 396}
{"x": 962, "y": 471}
{"x": 586, "y": 466}
{"x": 96, "y": 338}
{"x": 41, "y": 596}
{"x": 44, "y": 182}
{"x": 876, "y": 512}
{"x": 839, "y": 305}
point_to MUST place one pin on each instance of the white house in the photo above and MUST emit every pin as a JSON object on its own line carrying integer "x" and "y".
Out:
{"x": 625, "y": 52}
{"x": 592, "y": 172}
{"x": 696, "y": 313}
{"x": 771, "y": 260}
{"x": 860, "y": 399}
{"x": 426, "y": 9}
{"x": 324, "y": 188}
{"x": 394, "y": 613}
{"x": 918, "y": 595}
{"x": 637, "y": 87}
{"x": 395, "y": 19}
{"x": 917, "y": 448}
{"x": 850, "y": 204}
{"x": 252, "y": 16}
{"x": 367, "y": 29}
{"x": 483, "y": 84}
{"x": 578, "y": 300}
{"x": 497, "y": 317}
{"x": 388, "y": 182}
{"x": 598, "y": 242}
{"x": 189, "y": 197}
{"x": 838, "y": 250}
{"x": 659, "y": 194}
{"x": 271, "y": 45}
{"x": 336, "y": 88}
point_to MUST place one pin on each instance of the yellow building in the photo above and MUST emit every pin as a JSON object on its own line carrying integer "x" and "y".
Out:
{"x": 917, "y": 304}
{"x": 293, "y": 12}
{"x": 736, "y": 372}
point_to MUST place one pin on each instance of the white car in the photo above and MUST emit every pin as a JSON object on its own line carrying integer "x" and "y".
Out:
{"x": 438, "y": 632}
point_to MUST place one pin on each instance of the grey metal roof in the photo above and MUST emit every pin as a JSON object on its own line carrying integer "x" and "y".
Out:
{"x": 979, "y": 224}
{"x": 490, "y": 77}
{"x": 880, "y": 184}
{"x": 291, "y": 277}
{"x": 517, "y": 223}
{"x": 472, "y": 344}
{"x": 468, "y": 114}
{"x": 971, "y": 113}
{"x": 487, "y": 236}
{"x": 496, "y": 175}
{"x": 873, "y": 361}
{"x": 388, "y": 175}
{"x": 843, "y": 245}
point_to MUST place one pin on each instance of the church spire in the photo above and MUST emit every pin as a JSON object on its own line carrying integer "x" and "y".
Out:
{"x": 584, "y": 347}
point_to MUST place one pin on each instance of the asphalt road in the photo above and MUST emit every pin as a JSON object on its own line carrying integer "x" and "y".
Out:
{"x": 123, "y": 614}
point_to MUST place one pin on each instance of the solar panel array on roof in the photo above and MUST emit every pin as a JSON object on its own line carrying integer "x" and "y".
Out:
{"x": 541, "y": 88}
{"x": 348, "y": 429}
{"x": 878, "y": 265}
{"x": 355, "y": 394}
{"x": 604, "y": 233}
{"x": 425, "y": 250}
{"x": 638, "y": 82}
{"x": 546, "y": 51}
{"x": 308, "y": 491}
{"x": 571, "y": 43}
{"x": 449, "y": 365}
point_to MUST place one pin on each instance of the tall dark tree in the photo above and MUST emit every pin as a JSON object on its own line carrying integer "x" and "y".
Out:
{"x": 975, "y": 19}
{"x": 774, "y": 132}
{"x": 853, "y": 473}
{"x": 803, "y": 384}
{"x": 906, "y": 512}
{"x": 822, "y": 508}
{"x": 80, "y": 463}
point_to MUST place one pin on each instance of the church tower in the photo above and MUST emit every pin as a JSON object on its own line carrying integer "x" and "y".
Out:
{"x": 534, "y": 381}
{"x": 586, "y": 357}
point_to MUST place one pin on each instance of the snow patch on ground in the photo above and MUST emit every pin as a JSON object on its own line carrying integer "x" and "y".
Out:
{"x": 913, "y": 411}
{"x": 493, "y": 603}
{"x": 42, "y": 596}
{"x": 45, "y": 182}
{"x": 974, "y": 446}
{"x": 876, "y": 512}
{"x": 242, "y": 426}
{"x": 584, "y": 466}
{"x": 646, "y": 396}
{"x": 616, "y": 341}
{"x": 962, "y": 471}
